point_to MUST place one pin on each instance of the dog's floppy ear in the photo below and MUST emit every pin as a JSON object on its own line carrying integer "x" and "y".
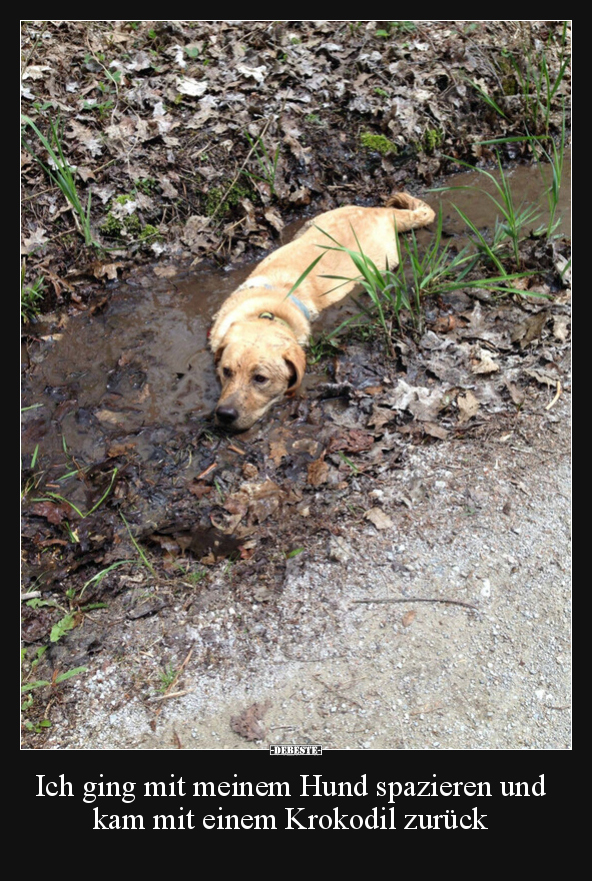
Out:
{"x": 295, "y": 358}
{"x": 218, "y": 354}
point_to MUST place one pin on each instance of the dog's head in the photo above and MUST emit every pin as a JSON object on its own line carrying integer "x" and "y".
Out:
{"x": 258, "y": 363}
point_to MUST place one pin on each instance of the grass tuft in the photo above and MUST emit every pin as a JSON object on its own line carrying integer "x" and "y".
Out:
{"x": 63, "y": 176}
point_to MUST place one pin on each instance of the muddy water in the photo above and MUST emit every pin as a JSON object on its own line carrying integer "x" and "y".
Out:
{"x": 142, "y": 362}
{"x": 526, "y": 182}
{"x": 145, "y": 361}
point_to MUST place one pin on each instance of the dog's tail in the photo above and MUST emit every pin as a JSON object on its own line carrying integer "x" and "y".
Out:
{"x": 410, "y": 212}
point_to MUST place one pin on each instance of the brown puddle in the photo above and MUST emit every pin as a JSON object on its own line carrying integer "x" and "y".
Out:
{"x": 526, "y": 182}
{"x": 145, "y": 362}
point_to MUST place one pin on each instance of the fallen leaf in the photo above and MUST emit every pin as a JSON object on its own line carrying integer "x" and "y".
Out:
{"x": 37, "y": 238}
{"x": 530, "y": 329}
{"x": 277, "y": 451}
{"x": 249, "y": 724}
{"x": 120, "y": 448}
{"x": 100, "y": 270}
{"x": 308, "y": 445}
{"x": 515, "y": 393}
{"x": 379, "y": 518}
{"x": 199, "y": 489}
{"x": 408, "y": 617}
{"x": 468, "y": 406}
{"x": 110, "y": 417}
{"x": 165, "y": 271}
{"x": 380, "y": 417}
{"x": 318, "y": 472}
{"x": 257, "y": 73}
{"x": 424, "y": 403}
{"x": 52, "y": 512}
{"x": 435, "y": 430}
{"x": 542, "y": 376}
{"x": 355, "y": 441}
{"x": 194, "y": 88}
{"x": 447, "y": 323}
{"x": 372, "y": 390}
{"x": 36, "y": 71}
{"x": 561, "y": 327}
{"x": 482, "y": 362}
{"x": 274, "y": 218}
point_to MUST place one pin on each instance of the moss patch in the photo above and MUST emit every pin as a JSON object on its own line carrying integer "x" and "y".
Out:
{"x": 432, "y": 139}
{"x": 380, "y": 143}
{"x": 127, "y": 227}
{"x": 218, "y": 201}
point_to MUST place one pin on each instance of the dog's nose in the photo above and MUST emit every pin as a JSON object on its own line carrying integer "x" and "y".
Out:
{"x": 226, "y": 415}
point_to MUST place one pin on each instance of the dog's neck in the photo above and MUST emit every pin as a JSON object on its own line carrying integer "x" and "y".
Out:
{"x": 257, "y": 299}
{"x": 261, "y": 282}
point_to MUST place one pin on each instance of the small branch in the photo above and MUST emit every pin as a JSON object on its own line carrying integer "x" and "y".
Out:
{"x": 420, "y": 600}
{"x": 170, "y": 694}
{"x": 35, "y": 44}
{"x": 239, "y": 172}
{"x": 556, "y": 398}
{"x": 207, "y": 471}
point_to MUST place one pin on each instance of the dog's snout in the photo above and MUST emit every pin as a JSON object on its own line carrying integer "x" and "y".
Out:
{"x": 226, "y": 415}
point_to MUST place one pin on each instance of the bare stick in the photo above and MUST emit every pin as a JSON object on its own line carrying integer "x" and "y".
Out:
{"x": 419, "y": 600}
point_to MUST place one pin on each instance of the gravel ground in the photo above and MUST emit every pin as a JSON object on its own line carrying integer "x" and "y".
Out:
{"x": 487, "y": 524}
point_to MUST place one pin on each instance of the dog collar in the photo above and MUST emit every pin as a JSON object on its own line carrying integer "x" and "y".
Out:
{"x": 259, "y": 282}
{"x": 300, "y": 305}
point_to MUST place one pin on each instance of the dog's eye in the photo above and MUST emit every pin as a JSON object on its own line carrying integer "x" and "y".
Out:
{"x": 259, "y": 378}
{"x": 226, "y": 372}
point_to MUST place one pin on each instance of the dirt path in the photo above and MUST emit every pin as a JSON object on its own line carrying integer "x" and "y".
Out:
{"x": 483, "y": 525}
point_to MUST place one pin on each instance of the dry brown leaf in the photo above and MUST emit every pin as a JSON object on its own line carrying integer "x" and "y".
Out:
{"x": 530, "y": 329}
{"x": 482, "y": 362}
{"x": 515, "y": 393}
{"x": 249, "y": 724}
{"x": 100, "y": 270}
{"x": 277, "y": 451}
{"x": 435, "y": 430}
{"x": 274, "y": 218}
{"x": 468, "y": 406}
{"x": 318, "y": 472}
{"x": 561, "y": 325}
{"x": 37, "y": 238}
{"x": 544, "y": 377}
{"x": 379, "y": 518}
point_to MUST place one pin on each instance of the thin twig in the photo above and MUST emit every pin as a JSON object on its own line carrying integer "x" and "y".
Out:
{"x": 239, "y": 172}
{"x": 35, "y": 44}
{"x": 556, "y": 398}
{"x": 165, "y": 697}
{"x": 168, "y": 693}
{"x": 207, "y": 471}
{"x": 419, "y": 600}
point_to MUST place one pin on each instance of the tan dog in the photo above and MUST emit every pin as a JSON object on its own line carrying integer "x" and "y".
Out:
{"x": 259, "y": 333}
